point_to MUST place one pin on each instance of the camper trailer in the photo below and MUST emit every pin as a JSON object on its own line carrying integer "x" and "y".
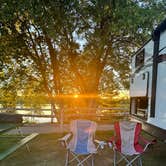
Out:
{"x": 148, "y": 84}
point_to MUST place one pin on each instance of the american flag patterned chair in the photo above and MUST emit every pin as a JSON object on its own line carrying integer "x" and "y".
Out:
{"x": 82, "y": 143}
{"x": 126, "y": 142}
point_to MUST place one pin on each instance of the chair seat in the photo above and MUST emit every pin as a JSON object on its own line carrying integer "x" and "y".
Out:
{"x": 81, "y": 152}
{"x": 138, "y": 150}
{"x": 82, "y": 147}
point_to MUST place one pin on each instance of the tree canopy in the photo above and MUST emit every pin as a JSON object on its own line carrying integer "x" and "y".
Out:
{"x": 72, "y": 47}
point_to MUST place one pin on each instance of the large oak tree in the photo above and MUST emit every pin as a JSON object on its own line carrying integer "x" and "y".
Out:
{"x": 66, "y": 47}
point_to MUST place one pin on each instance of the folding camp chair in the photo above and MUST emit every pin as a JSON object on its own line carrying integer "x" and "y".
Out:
{"x": 81, "y": 144}
{"x": 126, "y": 142}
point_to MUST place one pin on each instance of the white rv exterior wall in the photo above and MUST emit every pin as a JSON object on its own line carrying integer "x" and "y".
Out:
{"x": 149, "y": 51}
{"x": 139, "y": 86}
{"x": 147, "y": 68}
{"x": 162, "y": 43}
{"x": 148, "y": 56}
{"x": 133, "y": 64}
{"x": 160, "y": 106}
{"x": 137, "y": 89}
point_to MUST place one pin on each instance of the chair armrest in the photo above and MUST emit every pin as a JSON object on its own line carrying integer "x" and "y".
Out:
{"x": 101, "y": 144}
{"x": 147, "y": 142}
{"x": 111, "y": 142}
{"x": 64, "y": 139}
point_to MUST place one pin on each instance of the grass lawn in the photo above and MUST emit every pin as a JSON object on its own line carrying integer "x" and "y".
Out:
{"x": 47, "y": 151}
{"x": 6, "y": 141}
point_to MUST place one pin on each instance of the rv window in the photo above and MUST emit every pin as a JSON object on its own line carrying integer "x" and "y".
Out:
{"x": 139, "y": 60}
{"x": 139, "y": 106}
{"x": 142, "y": 102}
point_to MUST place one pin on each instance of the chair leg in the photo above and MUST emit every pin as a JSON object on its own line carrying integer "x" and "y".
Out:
{"x": 115, "y": 157}
{"x": 134, "y": 159}
{"x": 92, "y": 160}
{"x": 140, "y": 161}
{"x": 85, "y": 159}
{"x": 67, "y": 158}
{"x": 20, "y": 133}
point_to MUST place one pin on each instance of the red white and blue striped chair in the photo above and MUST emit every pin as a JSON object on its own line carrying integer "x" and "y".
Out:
{"x": 82, "y": 142}
{"x": 126, "y": 142}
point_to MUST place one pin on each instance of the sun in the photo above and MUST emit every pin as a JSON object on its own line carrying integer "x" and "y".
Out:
{"x": 75, "y": 96}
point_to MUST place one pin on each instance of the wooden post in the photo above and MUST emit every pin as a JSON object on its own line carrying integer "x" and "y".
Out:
{"x": 61, "y": 119}
{"x": 52, "y": 113}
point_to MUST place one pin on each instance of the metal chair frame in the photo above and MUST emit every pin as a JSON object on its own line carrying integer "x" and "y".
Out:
{"x": 76, "y": 156}
{"x": 134, "y": 157}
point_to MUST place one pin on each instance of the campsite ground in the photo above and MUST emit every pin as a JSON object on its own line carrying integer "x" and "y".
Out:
{"x": 47, "y": 151}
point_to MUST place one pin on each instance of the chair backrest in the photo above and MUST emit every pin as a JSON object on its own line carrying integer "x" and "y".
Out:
{"x": 127, "y": 136}
{"x": 83, "y": 134}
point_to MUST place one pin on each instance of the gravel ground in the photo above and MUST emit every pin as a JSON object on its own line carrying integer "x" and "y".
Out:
{"x": 52, "y": 128}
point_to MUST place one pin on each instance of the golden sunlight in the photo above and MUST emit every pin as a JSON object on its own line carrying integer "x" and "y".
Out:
{"x": 123, "y": 94}
{"x": 75, "y": 96}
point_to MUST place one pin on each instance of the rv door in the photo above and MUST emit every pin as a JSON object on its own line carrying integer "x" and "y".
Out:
{"x": 139, "y": 95}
